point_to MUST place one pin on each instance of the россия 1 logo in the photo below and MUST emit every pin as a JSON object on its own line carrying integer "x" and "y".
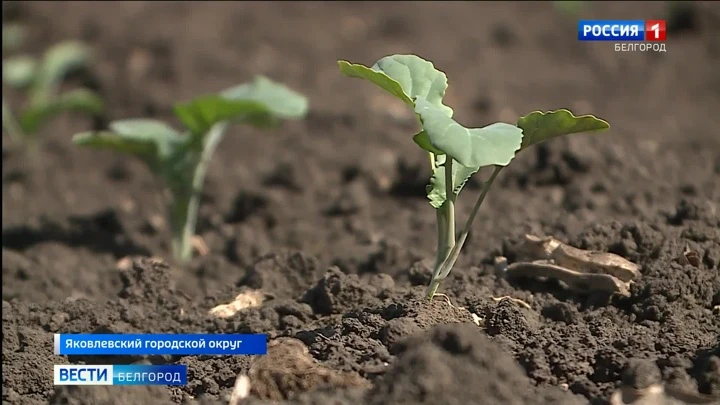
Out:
{"x": 632, "y": 35}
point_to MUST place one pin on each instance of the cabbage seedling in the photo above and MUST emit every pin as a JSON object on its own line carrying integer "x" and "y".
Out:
{"x": 181, "y": 160}
{"x": 13, "y": 36}
{"x": 569, "y": 8}
{"x": 41, "y": 80}
{"x": 456, "y": 152}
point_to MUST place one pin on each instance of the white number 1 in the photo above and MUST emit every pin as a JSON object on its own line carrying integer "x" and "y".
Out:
{"x": 656, "y": 29}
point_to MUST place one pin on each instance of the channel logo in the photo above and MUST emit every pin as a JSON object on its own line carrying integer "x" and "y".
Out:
{"x": 131, "y": 374}
{"x": 622, "y": 30}
{"x": 83, "y": 375}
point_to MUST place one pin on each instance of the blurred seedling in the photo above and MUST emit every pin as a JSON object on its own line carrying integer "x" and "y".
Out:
{"x": 455, "y": 152}
{"x": 40, "y": 79}
{"x": 13, "y": 36}
{"x": 180, "y": 159}
{"x": 569, "y": 8}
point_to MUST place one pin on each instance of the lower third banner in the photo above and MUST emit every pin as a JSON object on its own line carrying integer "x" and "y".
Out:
{"x": 148, "y": 344}
{"x": 71, "y": 374}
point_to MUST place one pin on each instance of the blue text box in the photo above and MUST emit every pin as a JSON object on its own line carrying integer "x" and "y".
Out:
{"x": 159, "y": 344}
{"x": 611, "y": 30}
{"x": 93, "y": 374}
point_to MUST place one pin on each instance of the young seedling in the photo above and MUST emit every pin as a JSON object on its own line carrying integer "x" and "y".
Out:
{"x": 13, "y": 36}
{"x": 456, "y": 152}
{"x": 569, "y": 8}
{"x": 41, "y": 80}
{"x": 181, "y": 160}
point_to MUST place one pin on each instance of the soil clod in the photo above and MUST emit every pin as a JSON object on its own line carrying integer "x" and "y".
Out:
{"x": 288, "y": 369}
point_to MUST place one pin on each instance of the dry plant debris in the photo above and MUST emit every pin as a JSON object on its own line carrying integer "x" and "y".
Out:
{"x": 240, "y": 391}
{"x": 581, "y": 270}
{"x": 244, "y": 300}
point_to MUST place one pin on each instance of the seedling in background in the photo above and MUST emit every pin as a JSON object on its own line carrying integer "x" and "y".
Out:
{"x": 13, "y": 36}
{"x": 181, "y": 160}
{"x": 456, "y": 152}
{"x": 569, "y": 8}
{"x": 41, "y": 80}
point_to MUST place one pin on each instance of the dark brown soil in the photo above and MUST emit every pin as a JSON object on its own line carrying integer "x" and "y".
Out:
{"x": 328, "y": 215}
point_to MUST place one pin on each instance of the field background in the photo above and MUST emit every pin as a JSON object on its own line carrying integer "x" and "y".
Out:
{"x": 345, "y": 187}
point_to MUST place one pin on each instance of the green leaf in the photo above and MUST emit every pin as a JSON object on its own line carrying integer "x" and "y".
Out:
{"x": 142, "y": 147}
{"x": 436, "y": 189}
{"x": 202, "y": 113}
{"x": 261, "y": 103}
{"x": 58, "y": 61}
{"x": 19, "y": 71}
{"x": 163, "y": 135}
{"x": 150, "y": 128}
{"x": 422, "y": 139}
{"x": 151, "y": 140}
{"x": 279, "y": 100}
{"x": 13, "y": 36}
{"x": 540, "y": 126}
{"x": 406, "y": 77}
{"x": 79, "y": 100}
{"x": 494, "y": 144}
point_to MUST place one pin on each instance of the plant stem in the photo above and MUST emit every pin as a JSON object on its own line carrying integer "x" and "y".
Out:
{"x": 442, "y": 272}
{"x": 442, "y": 251}
{"x": 431, "y": 156}
{"x": 11, "y": 125}
{"x": 446, "y": 220}
{"x": 181, "y": 243}
{"x": 441, "y": 219}
{"x": 186, "y": 205}
{"x": 450, "y": 206}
